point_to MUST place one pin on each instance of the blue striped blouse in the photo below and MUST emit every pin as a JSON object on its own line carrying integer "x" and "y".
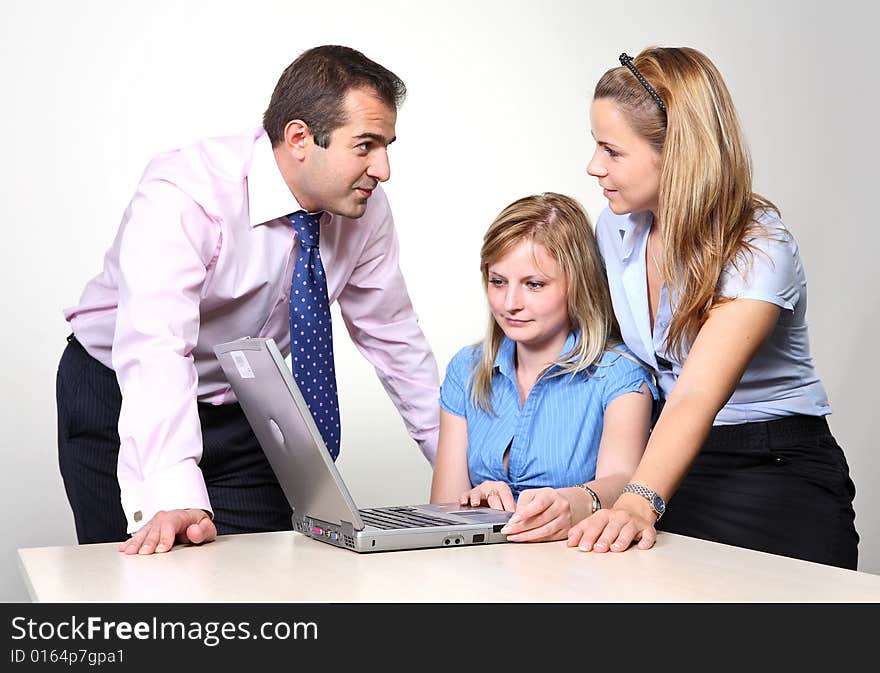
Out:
{"x": 555, "y": 435}
{"x": 780, "y": 380}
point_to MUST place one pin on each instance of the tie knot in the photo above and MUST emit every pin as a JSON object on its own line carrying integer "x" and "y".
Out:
{"x": 307, "y": 227}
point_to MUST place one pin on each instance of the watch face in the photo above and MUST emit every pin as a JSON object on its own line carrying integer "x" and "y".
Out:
{"x": 658, "y": 504}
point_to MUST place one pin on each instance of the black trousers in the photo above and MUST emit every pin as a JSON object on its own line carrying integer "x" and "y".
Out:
{"x": 780, "y": 486}
{"x": 244, "y": 492}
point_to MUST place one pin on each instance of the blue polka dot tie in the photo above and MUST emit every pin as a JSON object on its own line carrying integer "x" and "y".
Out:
{"x": 311, "y": 334}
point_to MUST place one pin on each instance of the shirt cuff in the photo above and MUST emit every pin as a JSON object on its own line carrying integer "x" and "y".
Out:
{"x": 180, "y": 486}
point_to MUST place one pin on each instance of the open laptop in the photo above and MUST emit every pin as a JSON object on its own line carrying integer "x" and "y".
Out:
{"x": 323, "y": 508}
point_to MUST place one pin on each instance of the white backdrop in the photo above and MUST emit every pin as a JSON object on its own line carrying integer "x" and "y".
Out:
{"x": 497, "y": 109}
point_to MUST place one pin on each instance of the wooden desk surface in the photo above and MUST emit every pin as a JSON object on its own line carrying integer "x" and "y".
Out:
{"x": 285, "y": 566}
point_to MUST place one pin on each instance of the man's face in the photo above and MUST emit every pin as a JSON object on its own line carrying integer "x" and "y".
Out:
{"x": 341, "y": 178}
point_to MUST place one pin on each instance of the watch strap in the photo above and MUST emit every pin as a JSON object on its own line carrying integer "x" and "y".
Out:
{"x": 658, "y": 505}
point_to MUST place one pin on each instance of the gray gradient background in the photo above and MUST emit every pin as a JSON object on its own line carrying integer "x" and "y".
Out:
{"x": 497, "y": 109}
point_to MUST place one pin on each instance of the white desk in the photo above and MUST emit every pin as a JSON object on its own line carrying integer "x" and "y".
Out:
{"x": 289, "y": 567}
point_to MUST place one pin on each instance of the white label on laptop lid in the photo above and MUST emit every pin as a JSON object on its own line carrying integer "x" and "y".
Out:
{"x": 242, "y": 365}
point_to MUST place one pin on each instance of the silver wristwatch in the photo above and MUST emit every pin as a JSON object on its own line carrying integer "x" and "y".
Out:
{"x": 597, "y": 504}
{"x": 657, "y": 503}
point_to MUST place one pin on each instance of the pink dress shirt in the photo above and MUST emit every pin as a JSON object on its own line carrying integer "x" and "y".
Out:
{"x": 205, "y": 254}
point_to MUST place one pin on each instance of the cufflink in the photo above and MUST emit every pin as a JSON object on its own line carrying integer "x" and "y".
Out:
{"x": 138, "y": 516}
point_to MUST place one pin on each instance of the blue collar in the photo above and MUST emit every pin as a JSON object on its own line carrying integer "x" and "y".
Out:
{"x": 505, "y": 360}
{"x": 631, "y": 227}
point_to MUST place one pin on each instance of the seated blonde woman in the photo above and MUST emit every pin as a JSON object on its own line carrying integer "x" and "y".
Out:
{"x": 548, "y": 417}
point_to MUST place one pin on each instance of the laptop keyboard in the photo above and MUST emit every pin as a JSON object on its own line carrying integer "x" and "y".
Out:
{"x": 389, "y": 518}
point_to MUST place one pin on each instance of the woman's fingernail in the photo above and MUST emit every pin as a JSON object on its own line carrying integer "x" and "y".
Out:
{"x": 515, "y": 518}
{"x": 585, "y": 547}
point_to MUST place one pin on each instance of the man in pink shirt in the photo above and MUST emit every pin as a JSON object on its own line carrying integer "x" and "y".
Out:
{"x": 151, "y": 440}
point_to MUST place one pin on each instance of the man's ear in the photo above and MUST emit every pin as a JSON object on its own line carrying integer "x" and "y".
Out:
{"x": 297, "y": 138}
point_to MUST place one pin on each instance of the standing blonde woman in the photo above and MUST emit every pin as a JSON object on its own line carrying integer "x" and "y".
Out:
{"x": 709, "y": 291}
{"x": 549, "y": 415}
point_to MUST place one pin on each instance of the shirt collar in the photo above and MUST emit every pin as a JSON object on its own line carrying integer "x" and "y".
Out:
{"x": 631, "y": 227}
{"x": 505, "y": 360}
{"x": 269, "y": 197}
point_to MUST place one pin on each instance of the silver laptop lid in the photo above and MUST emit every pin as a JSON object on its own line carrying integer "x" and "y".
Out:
{"x": 281, "y": 420}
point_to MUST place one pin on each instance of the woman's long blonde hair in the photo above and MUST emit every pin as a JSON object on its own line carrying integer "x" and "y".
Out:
{"x": 560, "y": 225}
{"x": 707, "y": 208}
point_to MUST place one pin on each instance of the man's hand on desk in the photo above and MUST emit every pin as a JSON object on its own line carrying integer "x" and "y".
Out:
{"x": 159, "y": 533}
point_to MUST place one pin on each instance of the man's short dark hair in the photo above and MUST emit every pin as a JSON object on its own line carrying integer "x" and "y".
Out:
{"x": 314, "y": 86}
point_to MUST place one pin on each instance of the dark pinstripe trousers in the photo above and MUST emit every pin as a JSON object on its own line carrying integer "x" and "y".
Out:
{"x": 243, "y": 490}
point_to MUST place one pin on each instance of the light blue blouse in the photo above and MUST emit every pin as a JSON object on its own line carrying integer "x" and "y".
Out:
{"x": 555, "y": 435}
{"x": 780, "y": 380}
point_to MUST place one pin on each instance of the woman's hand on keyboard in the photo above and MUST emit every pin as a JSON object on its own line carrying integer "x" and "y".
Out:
{"x": 496, "y": 494}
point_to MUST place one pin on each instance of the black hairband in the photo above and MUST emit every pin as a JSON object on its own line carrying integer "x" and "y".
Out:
{"x": 628, "y": 62}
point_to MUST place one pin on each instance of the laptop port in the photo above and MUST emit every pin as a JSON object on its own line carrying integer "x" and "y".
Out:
{"x": 479, "y": 537}
{"x": 497, "y": 527}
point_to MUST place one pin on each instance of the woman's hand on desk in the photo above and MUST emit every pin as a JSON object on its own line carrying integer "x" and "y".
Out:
{"x": 160, "y": 532}
{"x": 616, "y": 529}
{"x": 541, "y": 514}
{"x": 496, "y": 494}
